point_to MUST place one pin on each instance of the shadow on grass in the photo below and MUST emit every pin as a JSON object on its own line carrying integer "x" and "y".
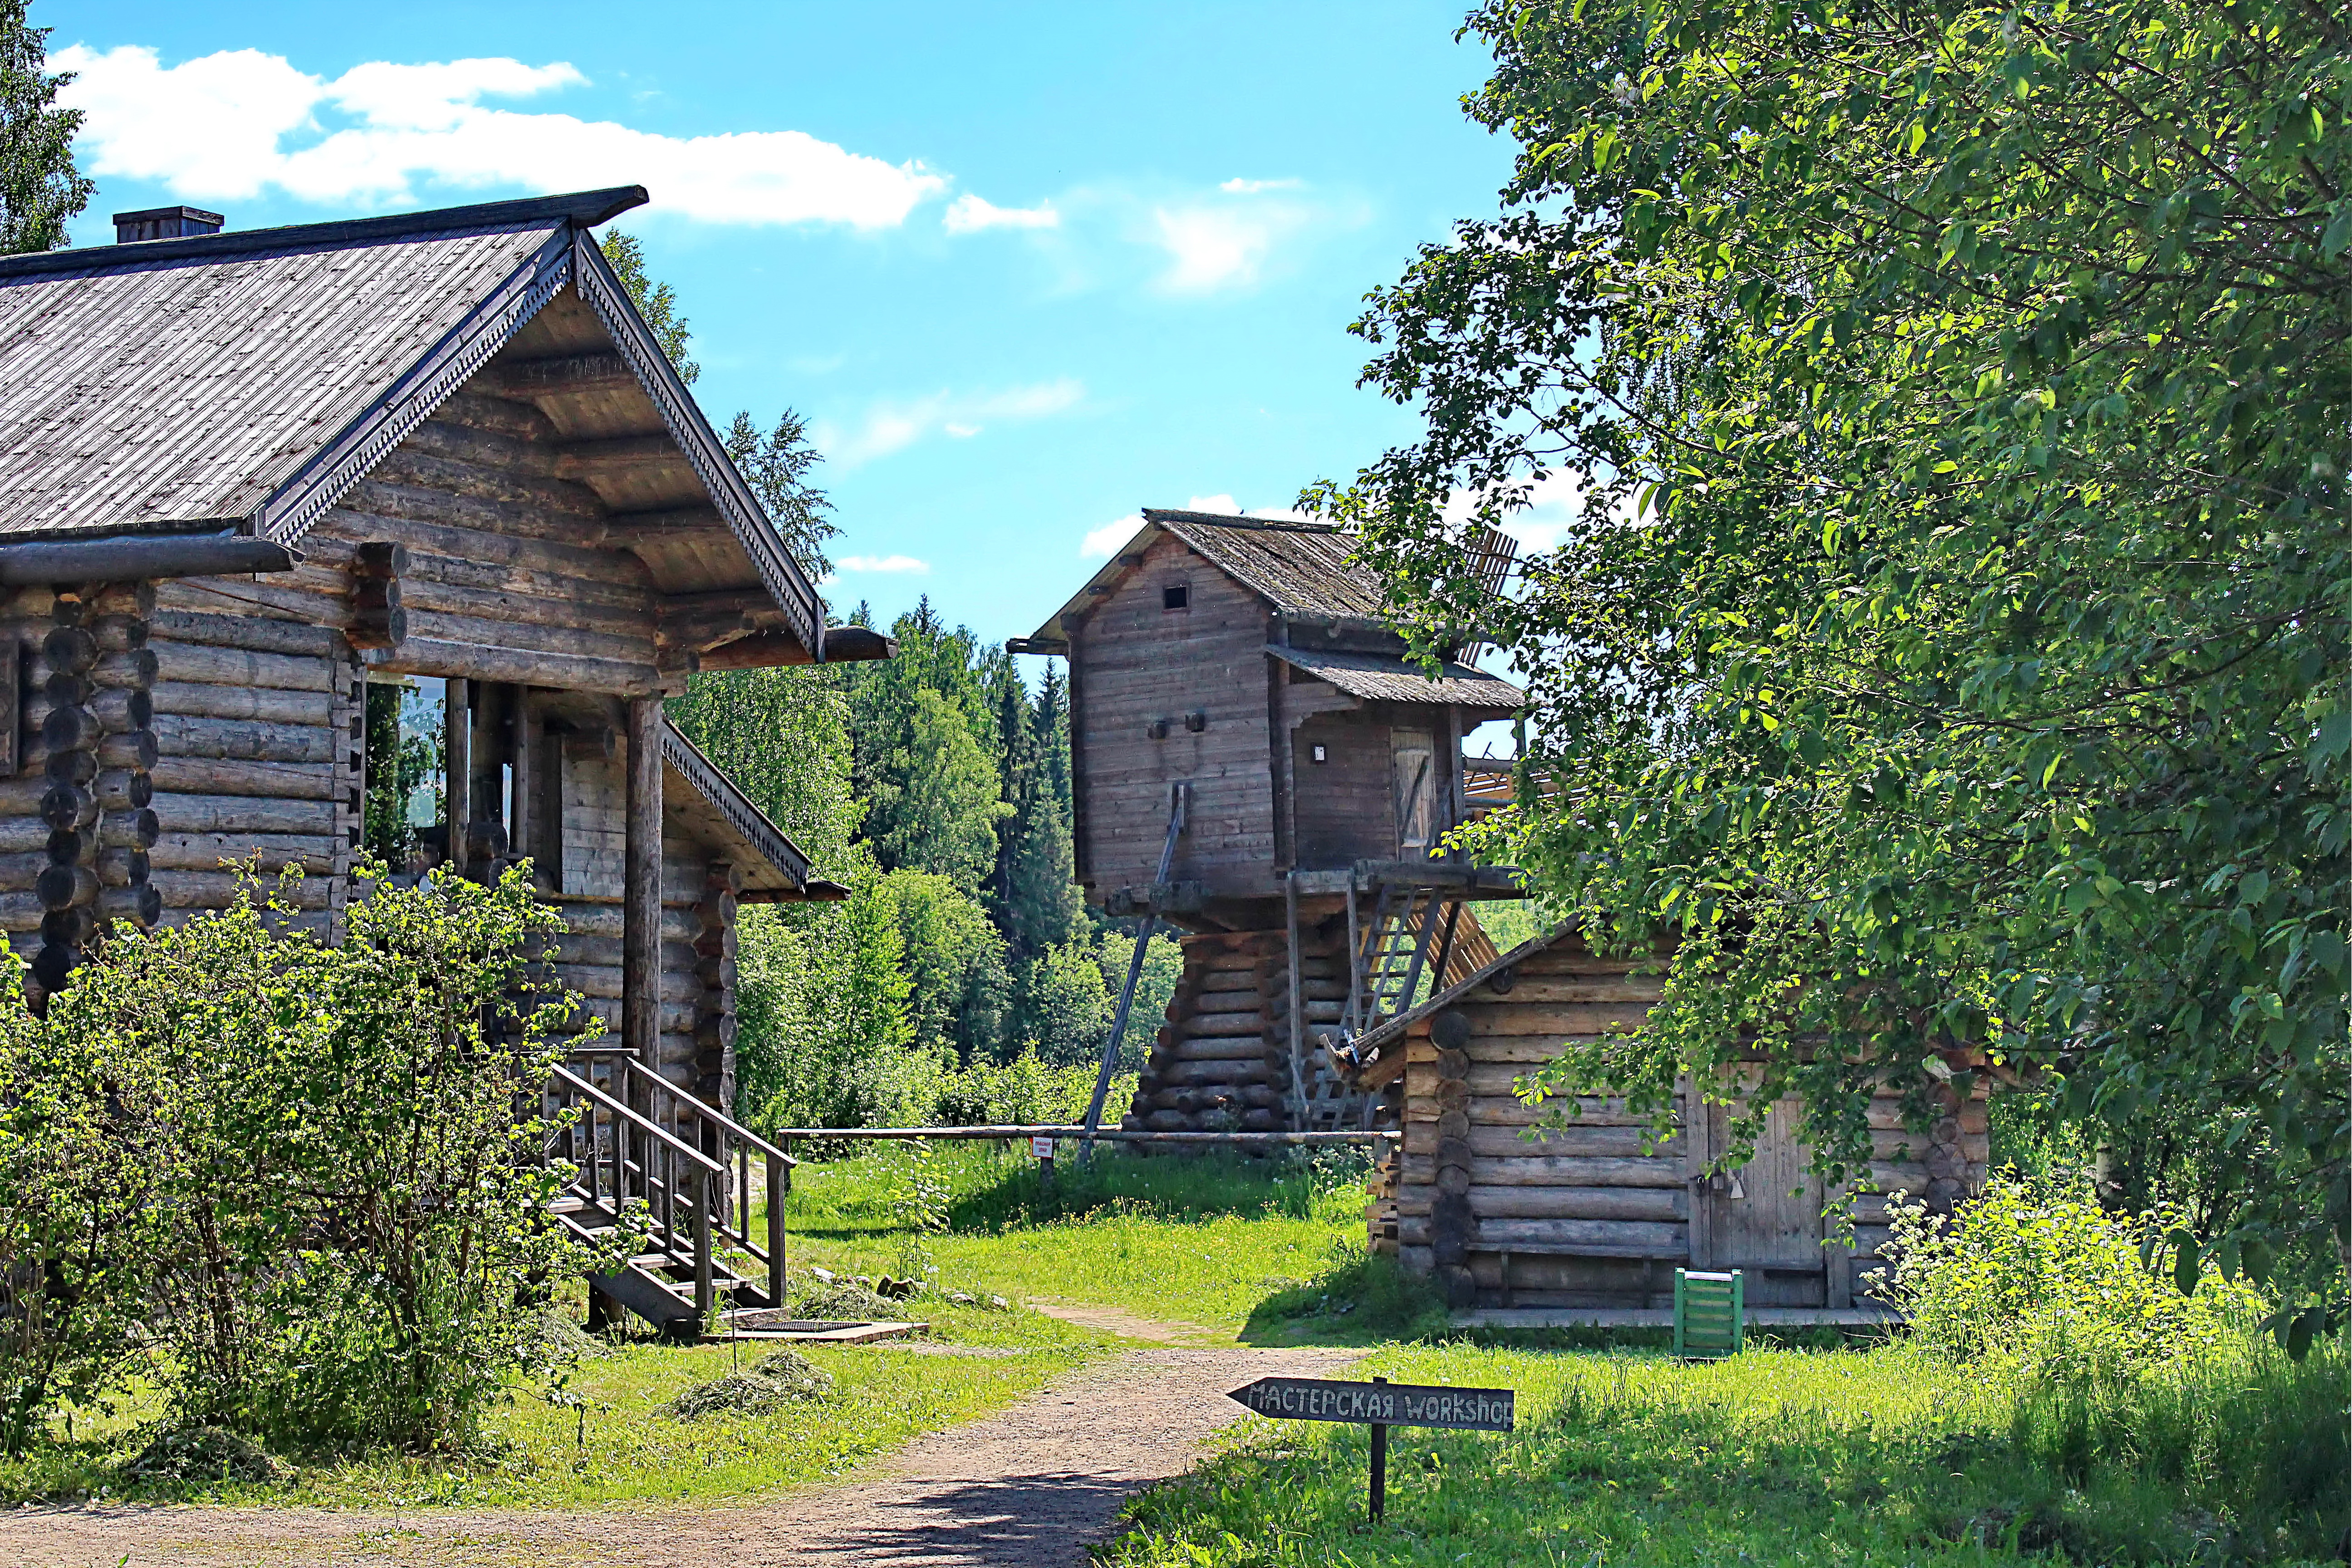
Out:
{"x": 1362, "y": 1299}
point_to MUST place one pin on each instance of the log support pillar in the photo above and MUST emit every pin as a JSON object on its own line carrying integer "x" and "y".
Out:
{"x": 88, "y": 689}
{"x": 714, "y": 968}
{"x": 641, "y": 890}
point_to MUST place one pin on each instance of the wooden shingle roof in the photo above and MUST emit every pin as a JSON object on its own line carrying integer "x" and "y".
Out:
{"x": 244, "y": 382}
{"x": 1379, "y": 679}
{"x": 1298, "y": 568}
{"x": 183, "y": 384}
{"x": 1302, "y": 568}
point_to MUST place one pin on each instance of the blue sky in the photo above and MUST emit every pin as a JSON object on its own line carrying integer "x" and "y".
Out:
{"x": 1025, "y": 268}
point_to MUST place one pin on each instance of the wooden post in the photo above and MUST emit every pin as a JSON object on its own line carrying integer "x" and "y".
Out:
{"x": 526, "y": 751}
{"x": 779, "y": 1184}
{"x": 641, "y": 909}
{"x": 1297, "y": 1037}
{"x": 698, "y": 1191}
{"x": 456, "y": 768}
{"x": 1380, "y": 1486}
{"x": 1355, "y": 958}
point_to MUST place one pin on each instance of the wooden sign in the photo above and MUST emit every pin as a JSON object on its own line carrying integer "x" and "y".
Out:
{"x": 1379, "y": 1404}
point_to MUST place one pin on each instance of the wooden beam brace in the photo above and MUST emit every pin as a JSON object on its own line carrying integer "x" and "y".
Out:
{"x": 618, "y": 454}
{"x": 626, "y": 529}
{"x": 560, "y": 375}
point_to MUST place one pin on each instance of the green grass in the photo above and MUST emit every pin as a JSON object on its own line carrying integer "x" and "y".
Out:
{"x": 1850, "y": 1458}
{"x": 1260, "y": 1250}
{"x": 617, "y": 1445}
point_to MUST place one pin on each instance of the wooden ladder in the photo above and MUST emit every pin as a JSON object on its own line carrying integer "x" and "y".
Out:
{"x": 680, "y": 1173}
{"x": 1391, "y": 952}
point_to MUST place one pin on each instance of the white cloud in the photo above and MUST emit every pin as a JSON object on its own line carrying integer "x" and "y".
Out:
{"x": 969, "y": 215}
{"x": 1252, "y": 187}
{"x": 227, "y": 126}
{"x": 1218, "y": 244}
{"x": 892, "y": 424}
{"x": 882, "y": 563}
{"x": 1103, "y": 543}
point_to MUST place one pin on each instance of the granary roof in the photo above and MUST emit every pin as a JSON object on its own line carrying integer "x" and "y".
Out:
{"x": 1300, "y": 568}
{"x": 1378, "y": 678}
{"x": 242, "y": 382}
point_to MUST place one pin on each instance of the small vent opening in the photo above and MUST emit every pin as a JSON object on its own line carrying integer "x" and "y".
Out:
{"x": 1176, "y": 596}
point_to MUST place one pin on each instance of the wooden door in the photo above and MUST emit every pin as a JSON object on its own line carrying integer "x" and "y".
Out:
{"x": 1414, "y": 768}
{"x": 1766, "y": 1216}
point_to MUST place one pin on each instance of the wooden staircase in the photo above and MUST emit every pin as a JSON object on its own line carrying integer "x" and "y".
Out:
{"x": 680, "y": 1173}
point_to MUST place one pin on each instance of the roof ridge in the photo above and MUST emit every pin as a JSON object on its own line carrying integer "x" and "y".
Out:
{"x": 1235, "y": 519}
{"x": 581, "y": 209}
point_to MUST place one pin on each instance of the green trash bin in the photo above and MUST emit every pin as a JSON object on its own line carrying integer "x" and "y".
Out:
{"x": 1710, "y": 1314}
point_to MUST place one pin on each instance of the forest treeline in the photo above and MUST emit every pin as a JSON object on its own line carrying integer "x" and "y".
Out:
{"x": 963, "y": 979}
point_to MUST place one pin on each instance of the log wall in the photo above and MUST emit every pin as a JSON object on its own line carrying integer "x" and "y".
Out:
{"x": 75, "y": 825}
{"x": 1133, "y": 662}
{"x": 1221, "y": 1061}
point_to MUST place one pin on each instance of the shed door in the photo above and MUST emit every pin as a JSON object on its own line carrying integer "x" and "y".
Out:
{"x": 1416, "y": 772}
{"x": 1766, "y": 1216}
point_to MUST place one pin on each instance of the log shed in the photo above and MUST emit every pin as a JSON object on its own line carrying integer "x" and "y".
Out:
{"x": 1592, "y": 1214}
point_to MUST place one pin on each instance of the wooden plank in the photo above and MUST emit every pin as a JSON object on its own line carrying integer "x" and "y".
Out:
{"x": 217, "y": 889}
{"x": 314, "y": 852}
{"x": 225, "y": 665}
{"x": 199, "y": 699}
{"x": 431, "y": 656}
{"x": 1645, "y": 1204}
{"x": 218, "y": 776}
{"x": 1531, "y": 1169}
{"x": 249, "y": 740}
{"x": 1503, "y": 1110}
{"x": 1421, "y": 1137}
{"x": 238, "y": 814}
{"x": 1490, "y": 1234}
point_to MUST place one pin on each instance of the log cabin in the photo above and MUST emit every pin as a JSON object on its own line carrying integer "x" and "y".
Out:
{"x": 1593, "y": 1214}
{"x": 244, "y": 476}
{"x": 1256, "y": 762}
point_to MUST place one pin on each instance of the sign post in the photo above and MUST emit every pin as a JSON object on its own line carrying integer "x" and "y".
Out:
{"x": 1043, "y": 1148}
{"x": 1379, "y": 1404}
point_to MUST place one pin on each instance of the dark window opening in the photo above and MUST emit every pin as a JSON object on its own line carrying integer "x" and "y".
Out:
{"x": 1176, "y": 596}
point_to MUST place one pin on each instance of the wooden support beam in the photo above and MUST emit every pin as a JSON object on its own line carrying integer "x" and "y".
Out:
{"x": 623, "y": 529}
{"x": 560, "y": 375}
{"x": 617, "y": 454}
{"x": 641, "y": 909}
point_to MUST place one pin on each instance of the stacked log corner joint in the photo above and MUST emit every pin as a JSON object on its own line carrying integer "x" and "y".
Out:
{"x": 1222, "y": 1062}
{"x": 84, "y": 780}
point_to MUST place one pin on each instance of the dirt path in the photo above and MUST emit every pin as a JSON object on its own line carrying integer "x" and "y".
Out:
{"x": 1031, "y": 1486}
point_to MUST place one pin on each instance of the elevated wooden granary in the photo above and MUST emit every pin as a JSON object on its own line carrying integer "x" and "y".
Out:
{"x": 1237, "y": 672}
{"x": 1590, "y": 1214}
{"x": 243, "y": 476}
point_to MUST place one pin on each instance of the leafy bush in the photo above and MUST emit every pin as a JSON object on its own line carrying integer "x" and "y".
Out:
{"x": 1028, "y": 1091}
{"x": 2030, "y": 1273}
{"x": 2113, "y": 1367}
{"x": 298, "y": 1170}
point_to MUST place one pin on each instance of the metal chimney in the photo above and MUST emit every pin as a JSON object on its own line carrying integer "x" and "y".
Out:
{"x": 165, "y": 223}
